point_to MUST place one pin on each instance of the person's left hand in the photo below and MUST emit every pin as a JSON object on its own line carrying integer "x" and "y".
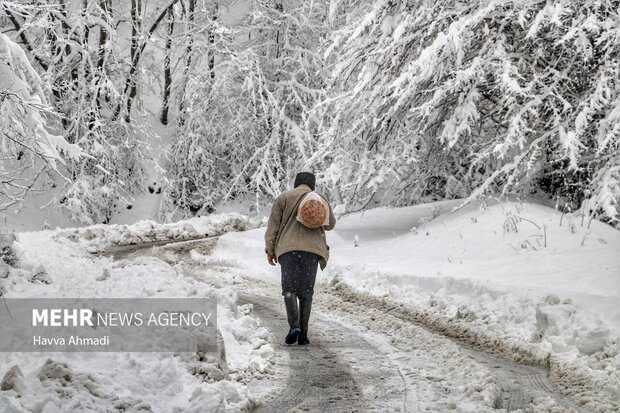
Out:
{"x": 271, "y": 260}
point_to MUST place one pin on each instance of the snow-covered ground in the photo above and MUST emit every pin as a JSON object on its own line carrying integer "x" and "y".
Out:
{"x": 102, "y": 382}
{"x": 514, "y": 277}
{"x": 539, "y": 286}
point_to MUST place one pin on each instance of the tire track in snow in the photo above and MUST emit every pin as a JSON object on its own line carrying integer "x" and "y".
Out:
{"x": 317, "y": 377}
{"x": 520, "y": 383}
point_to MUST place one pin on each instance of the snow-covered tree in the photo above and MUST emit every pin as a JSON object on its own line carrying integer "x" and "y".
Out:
{"x": 450, "y": 98}
{"x": 250, "y": 122}
{"x": 29, "y": 151}
{"x": 82, "y": 61}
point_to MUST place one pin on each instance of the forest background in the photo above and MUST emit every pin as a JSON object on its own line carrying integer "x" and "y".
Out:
{"x": 393, "y": 102}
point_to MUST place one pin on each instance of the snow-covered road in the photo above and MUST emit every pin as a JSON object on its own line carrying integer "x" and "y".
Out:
{"x": 369, "y": 359}
{"x": 368, "y": 356}
{"x": 387, "y": 334}
{"x": 310, "y": 378}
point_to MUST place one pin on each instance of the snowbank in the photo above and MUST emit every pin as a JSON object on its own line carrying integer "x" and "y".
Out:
{"x": 97, "y": 238}
{"x": 158, "y": 382}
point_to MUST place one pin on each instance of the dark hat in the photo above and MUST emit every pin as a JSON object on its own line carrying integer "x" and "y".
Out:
{"x": 305, "y": 178}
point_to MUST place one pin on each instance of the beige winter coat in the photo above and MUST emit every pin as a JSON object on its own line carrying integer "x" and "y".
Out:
{"x": 284, "y": 233}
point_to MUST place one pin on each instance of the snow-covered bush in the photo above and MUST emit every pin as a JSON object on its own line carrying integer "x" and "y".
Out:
{"x": 7, "y": 253}
{"x": 449, "y": 98}
{"x": 104, "y": 184}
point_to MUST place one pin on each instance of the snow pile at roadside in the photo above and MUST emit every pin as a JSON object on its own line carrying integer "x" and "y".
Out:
{"x": 14, "y": 270}
{"x": 97, "y": 238}
{"x": 515, "y": 277}
{"x": 159, "y": 382}
{"x": 542, "y": 285}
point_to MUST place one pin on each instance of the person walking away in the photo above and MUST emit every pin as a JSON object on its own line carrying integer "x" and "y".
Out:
{"x": 299, "y": 250}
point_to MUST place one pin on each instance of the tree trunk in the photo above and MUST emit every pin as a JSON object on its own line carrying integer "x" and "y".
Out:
{"x": 85, "y": 28}
{"x": 167, "y": 72}
{"x": 58, "y": 52}
{"x": 211, "y": 53}
{"x": 136, "y": 61}
{"x": 24, "y": 38}
{"x": 106, "y": 9}
{"x": 279, "y": 7}
{"x": 136, "y": 29}
{"x": 188, "y": 52}
{"x": 84, "y": 72}
{"x": 136, "y": 26}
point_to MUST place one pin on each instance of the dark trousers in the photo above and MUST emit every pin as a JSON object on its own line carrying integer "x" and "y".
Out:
{"x": 298, "y": 276}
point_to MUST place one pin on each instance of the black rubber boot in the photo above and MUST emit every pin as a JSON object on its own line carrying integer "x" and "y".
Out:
{"x": 292, "y": 314}
{"x": 292, "y": 311}
{"x": 305, "y": 306}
